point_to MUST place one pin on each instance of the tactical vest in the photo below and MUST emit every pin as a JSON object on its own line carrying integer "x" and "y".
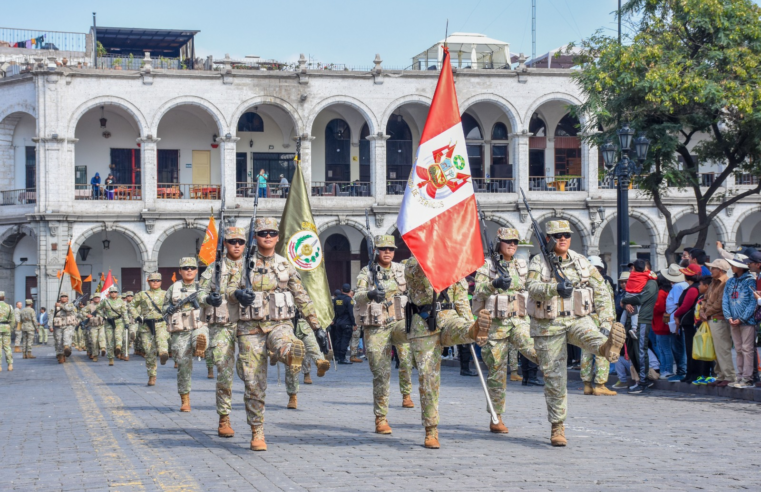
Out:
{"x": 274, "y": 305}
{"x": 183, "y": 320}
{"x": 65, "y": 318}
{"x": 371, "y": 313}
{"x": 96, "y": 319}
{"x": 505, "y": 306}
{"x": 581, "y": 302}
{"x": 221, "y": 315}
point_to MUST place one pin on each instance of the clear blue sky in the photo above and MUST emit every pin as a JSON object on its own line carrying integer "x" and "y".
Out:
{"x": 349, "y": 32}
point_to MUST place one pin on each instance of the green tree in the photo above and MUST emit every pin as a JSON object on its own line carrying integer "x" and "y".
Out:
{"x": 689, "y": 78}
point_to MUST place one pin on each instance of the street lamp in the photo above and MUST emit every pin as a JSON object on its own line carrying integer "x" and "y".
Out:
{"x": 623, "y": 171}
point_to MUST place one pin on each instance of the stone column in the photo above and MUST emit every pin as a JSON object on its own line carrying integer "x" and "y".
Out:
{"x": 519, "y": 157}
{"x": 549, "y": 158}
{"x": 589, "y": 167}
{"x": 306, "y": 160}
{"x": 55, "y": 173}
{"x": 149, "y": 169}
{"x": 378, "y": 166}
{"x": 229, "y": 148}
{"x": 7, "y": 153}
{"x": 150, "y": 266}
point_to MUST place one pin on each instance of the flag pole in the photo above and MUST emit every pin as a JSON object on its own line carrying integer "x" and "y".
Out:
{"x": 60, "y": 281}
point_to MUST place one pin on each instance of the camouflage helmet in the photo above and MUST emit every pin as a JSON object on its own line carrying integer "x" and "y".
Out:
{"x": 64, "y": 294}
{"x": 129, "y": 293}
{"x": 29, "y": 302}
{"x": 508, "y": 233}
{"x": 154, "y": 276}
{"x": 97, "y": 294}
{"x": 385, "y": 241}
{"x": 235, "y": 233}
{"x": 188, "y": 261}
{"x": 2, "y": 293}
{"x": 266, "y": 224}
{"x": 556, "y": 226}
{"x": 113, "y": 288}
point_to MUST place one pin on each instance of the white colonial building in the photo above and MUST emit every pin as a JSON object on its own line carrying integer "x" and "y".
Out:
{"x": 176, "y": 140}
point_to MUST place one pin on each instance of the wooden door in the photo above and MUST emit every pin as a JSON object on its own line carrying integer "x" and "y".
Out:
{"x": 202, "y": 167}
{"x": 131, "y": 279}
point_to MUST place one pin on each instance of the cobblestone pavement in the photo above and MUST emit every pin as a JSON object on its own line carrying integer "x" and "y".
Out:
{"x": 87, "y": 426}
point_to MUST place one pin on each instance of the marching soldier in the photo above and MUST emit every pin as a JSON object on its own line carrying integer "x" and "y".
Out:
{"x": 381, "y": 315}
{"x": 80, "y": 334}
{"x": 561, "y": 314}
{"x": 312, "y": 348}
{"x": 7, "y": 321}
{"x": 97, "y": 330}
{"x": 131, "y": 321}
{"x": 189, "y": 332}
{"x": 443, "y": 321}
{"x": 64, "y": 323}
{"x": 113, "y": 311}
{"x": 505, "y": 298}
{"x": 17, "y": 319}
{"x": 222, "y": 325}
{"x": 154, "y": 338}
{"x": 28, "y": 328}
{"x": 276, "y": 288}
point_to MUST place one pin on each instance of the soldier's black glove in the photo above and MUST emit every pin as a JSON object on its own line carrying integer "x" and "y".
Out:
{"x": 245, "y": 297}
{"x": 322, "y": 340}
{"x": 214, "y": 299}
{"x": 376, "y": 295}
{"x": 565, "y": 289}
{"x": 502, "y": 283}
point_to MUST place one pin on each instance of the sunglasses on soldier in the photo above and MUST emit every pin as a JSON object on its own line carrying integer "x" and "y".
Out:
{"x": 267, "y": 233}
{"x": 386, "y": 250}
{"x": 562, "y": 235}
{"x": 511, "y": 242}
{"x": 186, "y": 268}
{"x": 236, "y": 242}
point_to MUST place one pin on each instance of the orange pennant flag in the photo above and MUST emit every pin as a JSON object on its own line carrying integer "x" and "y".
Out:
{"x": 59, "y": 274}
{"x": 116, "y": 280}
{"x": 88, "y": 279}
{"x": 73, "y": 271}
{"x": 208, "y": 252}
{"x": 174, "y": 277}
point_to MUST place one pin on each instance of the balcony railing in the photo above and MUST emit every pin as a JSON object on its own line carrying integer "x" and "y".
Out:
{"x": 136, "y": 63}
{"x": 51, "y": 40}
{"x": 396, "y": 186}
{"x": 556, "y": 183}
{"x": 113, "y": 192}
{"x": 611, "y": 183}
{"x": 273, "y": 190}
{"x": 23, "y": 196}
{"x": 341, "y": 188}
{"x": 181, "y": 191}
{"x": 494, "y": 185}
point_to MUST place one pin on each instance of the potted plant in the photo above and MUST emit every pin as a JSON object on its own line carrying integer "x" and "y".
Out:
{"x": 117, "y": 64}
{"x": 633, "y": 245}
{"x": 131, "y": 59}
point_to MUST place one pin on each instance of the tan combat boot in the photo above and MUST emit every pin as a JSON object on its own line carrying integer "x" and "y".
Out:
{"x": 30, "y": 356}
{"x": 557, "y": 437}
{"x": 601, "y": 390}
{"x": 151, "y": 380}
{"x": 356, "y": 360}
{"x": 273, "y": 358}
{"x": 185, "y": 402}
{"x": 307, "y": 378}
{"x": 292, "y": 402}
{"x": 125, "y": 358}
{"x": 95, "y": 358}
{"x": 480, "y": 328}
{"x": 118, "y": 352}
{"x": 587, "y": 388}
{"x": 296, "y": 354}
{"x": 224, "y": 429}
{"x": 59, "y": 358}
{"x": 10, "y": 368}
{"x": 163, "y": 357}
{"x": 407, "y": 402}
{"x": 431, "y": 437}
{"x": 102, "y": 352}
{"x": 499, "y": 427}
{"x": 110, "y": 362}
{"x": 200, "y": 346}
{"x": 211, "y": 373}
{"x": 24, "y": 357}
{"x": 257, "y": 438}
{"x": 611, "y": 349}
{"x": 323, "y": 366}
{"x": 67, "y": 351}
{"x": 381, "y": 426}
{"x": 17, "y": 350}
{"x": 514, "y": 377}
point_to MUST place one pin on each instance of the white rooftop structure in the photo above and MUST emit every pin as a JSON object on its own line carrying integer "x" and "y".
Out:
{"x": 468, "y": 50}
{"x": 558, "y": 58}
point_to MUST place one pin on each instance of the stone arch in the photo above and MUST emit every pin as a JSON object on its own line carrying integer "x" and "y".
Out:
{"x": 18, "y": 108}
{"x": 363, "y": 109}
{"x": 498, "y": 219}
{"x": 645, "y": 219}
{"x": 586, "y": 235}
{"x": 353, "y": 223}
{"x": 397, "y": 103}
{"x": 168, "y": 232}
{"x": 222, "y": 126}
{"x": 127, "y": 106}
{"x": 721, "y": 228}
{"x": 15, "y": 230}
{"x": 135, "y": 239}
{"x": 739, "y": 220}
{"x": 553, "y": 96}
{"x": 506, "y": 106}
{"x": 262, "y": 100}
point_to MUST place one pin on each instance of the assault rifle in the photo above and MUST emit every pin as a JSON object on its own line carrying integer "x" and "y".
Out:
{"x": 548, "y": 251}
{"x": 216, "y": 285}
{"x": 491, "y": 249}
{"x": 173, "y": 308}
{"x": 251, "y": 246}
{"x": 372, "y": 265}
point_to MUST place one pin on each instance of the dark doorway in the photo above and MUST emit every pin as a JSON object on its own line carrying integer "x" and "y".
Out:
{"x": 126, "y": 164}
{"x": 131, "y": 279}
{"x": 398, "y": 148}
{"x": 168, "y": 166}
{"x": 241, "y": 170}
{"x": 31, "y": 168}
{"x": 31, "y": 283}
{"x": 364, "y": 154}
{"x": 337, "y": 151}
{"x": 536, "y": 163}
{"x": 338, "y": 261}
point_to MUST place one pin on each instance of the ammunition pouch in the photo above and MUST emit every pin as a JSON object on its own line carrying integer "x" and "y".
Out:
{"x": 218, "y": 315}
{"x": 583, "y": 301}
{"x": 185, "y": 321}
{"x": 269, "y": 306}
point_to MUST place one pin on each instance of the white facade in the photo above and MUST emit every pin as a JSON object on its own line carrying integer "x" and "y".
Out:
{"x": 58, "y": 111}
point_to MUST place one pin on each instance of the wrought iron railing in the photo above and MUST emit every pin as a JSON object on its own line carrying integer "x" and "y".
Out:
{"x": 110, "y": 192}
{"x": 494, "y": 185}
{"x": 186, "y": 191}
{"x": 341, "y": 188}
{"x": 53, "y": 40}
{"x": 396, "y": 186}
{"x": 272, "y": 190}
{"x": 556, "y": 183}
{"x": 23, "y": 196}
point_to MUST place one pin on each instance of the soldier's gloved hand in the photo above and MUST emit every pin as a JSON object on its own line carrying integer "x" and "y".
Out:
{"x": 375, "y": 295}
{"x": 565, "y": 289}
{"x": 322, "y": 340}
{"x": 245, "y": 297}
{"x": 214, "y": 299}
{"x": 502, "y": 283}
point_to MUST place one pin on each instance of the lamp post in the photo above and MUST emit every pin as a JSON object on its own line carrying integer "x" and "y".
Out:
{"x": 623, "y": 171}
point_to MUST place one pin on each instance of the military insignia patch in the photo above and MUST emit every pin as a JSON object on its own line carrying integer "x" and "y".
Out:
{"x": 304, "y": 250}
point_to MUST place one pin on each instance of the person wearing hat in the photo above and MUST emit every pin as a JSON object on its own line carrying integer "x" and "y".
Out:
{"x": 28, "y": 328}
{"x": 130, "y": 323}
{"x": 739, "y": 305}
{"x": 222, "y": 324}
{"x": 685, "y": 320}
{"x": 380, "y": 314}
{"x": 276, "y": 289}
{"x": 712, "y": 312}
{"x": 95, "y": 327}
{"x": 113, "y": 310}
{"x": 343, "y": 324}
{"x": 500, "y": 289}
{"x": 152, "y": 332}
{"x": 7, "y": 320}
{"x": 678, "y": 285}
{"x": 17, "y": 333}
{"x": 187, "y": 328}
{"x": 562, "y": 314}
{"x": 64, "y": 322}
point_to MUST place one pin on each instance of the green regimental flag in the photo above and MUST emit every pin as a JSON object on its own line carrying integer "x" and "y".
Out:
{"x": 300, "y": 244}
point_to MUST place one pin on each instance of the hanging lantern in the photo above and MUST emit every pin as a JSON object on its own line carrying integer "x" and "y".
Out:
{"x": 103, "y": 119}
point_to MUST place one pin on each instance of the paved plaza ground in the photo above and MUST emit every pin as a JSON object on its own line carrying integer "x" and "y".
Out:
{"x": 87, "y": 426}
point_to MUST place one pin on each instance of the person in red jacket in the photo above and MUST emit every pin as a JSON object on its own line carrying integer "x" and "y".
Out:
{"x": 661, "y": 329}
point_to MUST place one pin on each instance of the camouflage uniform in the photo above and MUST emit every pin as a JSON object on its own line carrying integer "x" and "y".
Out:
{"x": 97, "y": 330}
{"x": 186, "y": 327}
{"x": 510, "y": 325}
{"x": 258, "y": 337}
{"x": 303, "y": 332}
{"x": 594, "y": 368}
{"x": 7, "y": 319}
{"x": 17, "y": 328}
{"x": 113, "y": 312}
{"x": 222, "y": 325}
{"x": 453, "y": 323}
{"x": 552, "y": 335}
{"x": 131, "y": 321}
{"x": 28, "y": 327}
{"x": 386, "y": 330}
{"x": 64, "y": 323}
{"x": 154, "y": 340}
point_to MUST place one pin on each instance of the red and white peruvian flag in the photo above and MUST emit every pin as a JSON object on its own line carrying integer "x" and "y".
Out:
{"x": 438, "y": 219}
{"x": 106, "y": 285}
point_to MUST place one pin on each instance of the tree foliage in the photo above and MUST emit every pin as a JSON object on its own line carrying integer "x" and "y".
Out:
{"x": 688, "y": 78}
